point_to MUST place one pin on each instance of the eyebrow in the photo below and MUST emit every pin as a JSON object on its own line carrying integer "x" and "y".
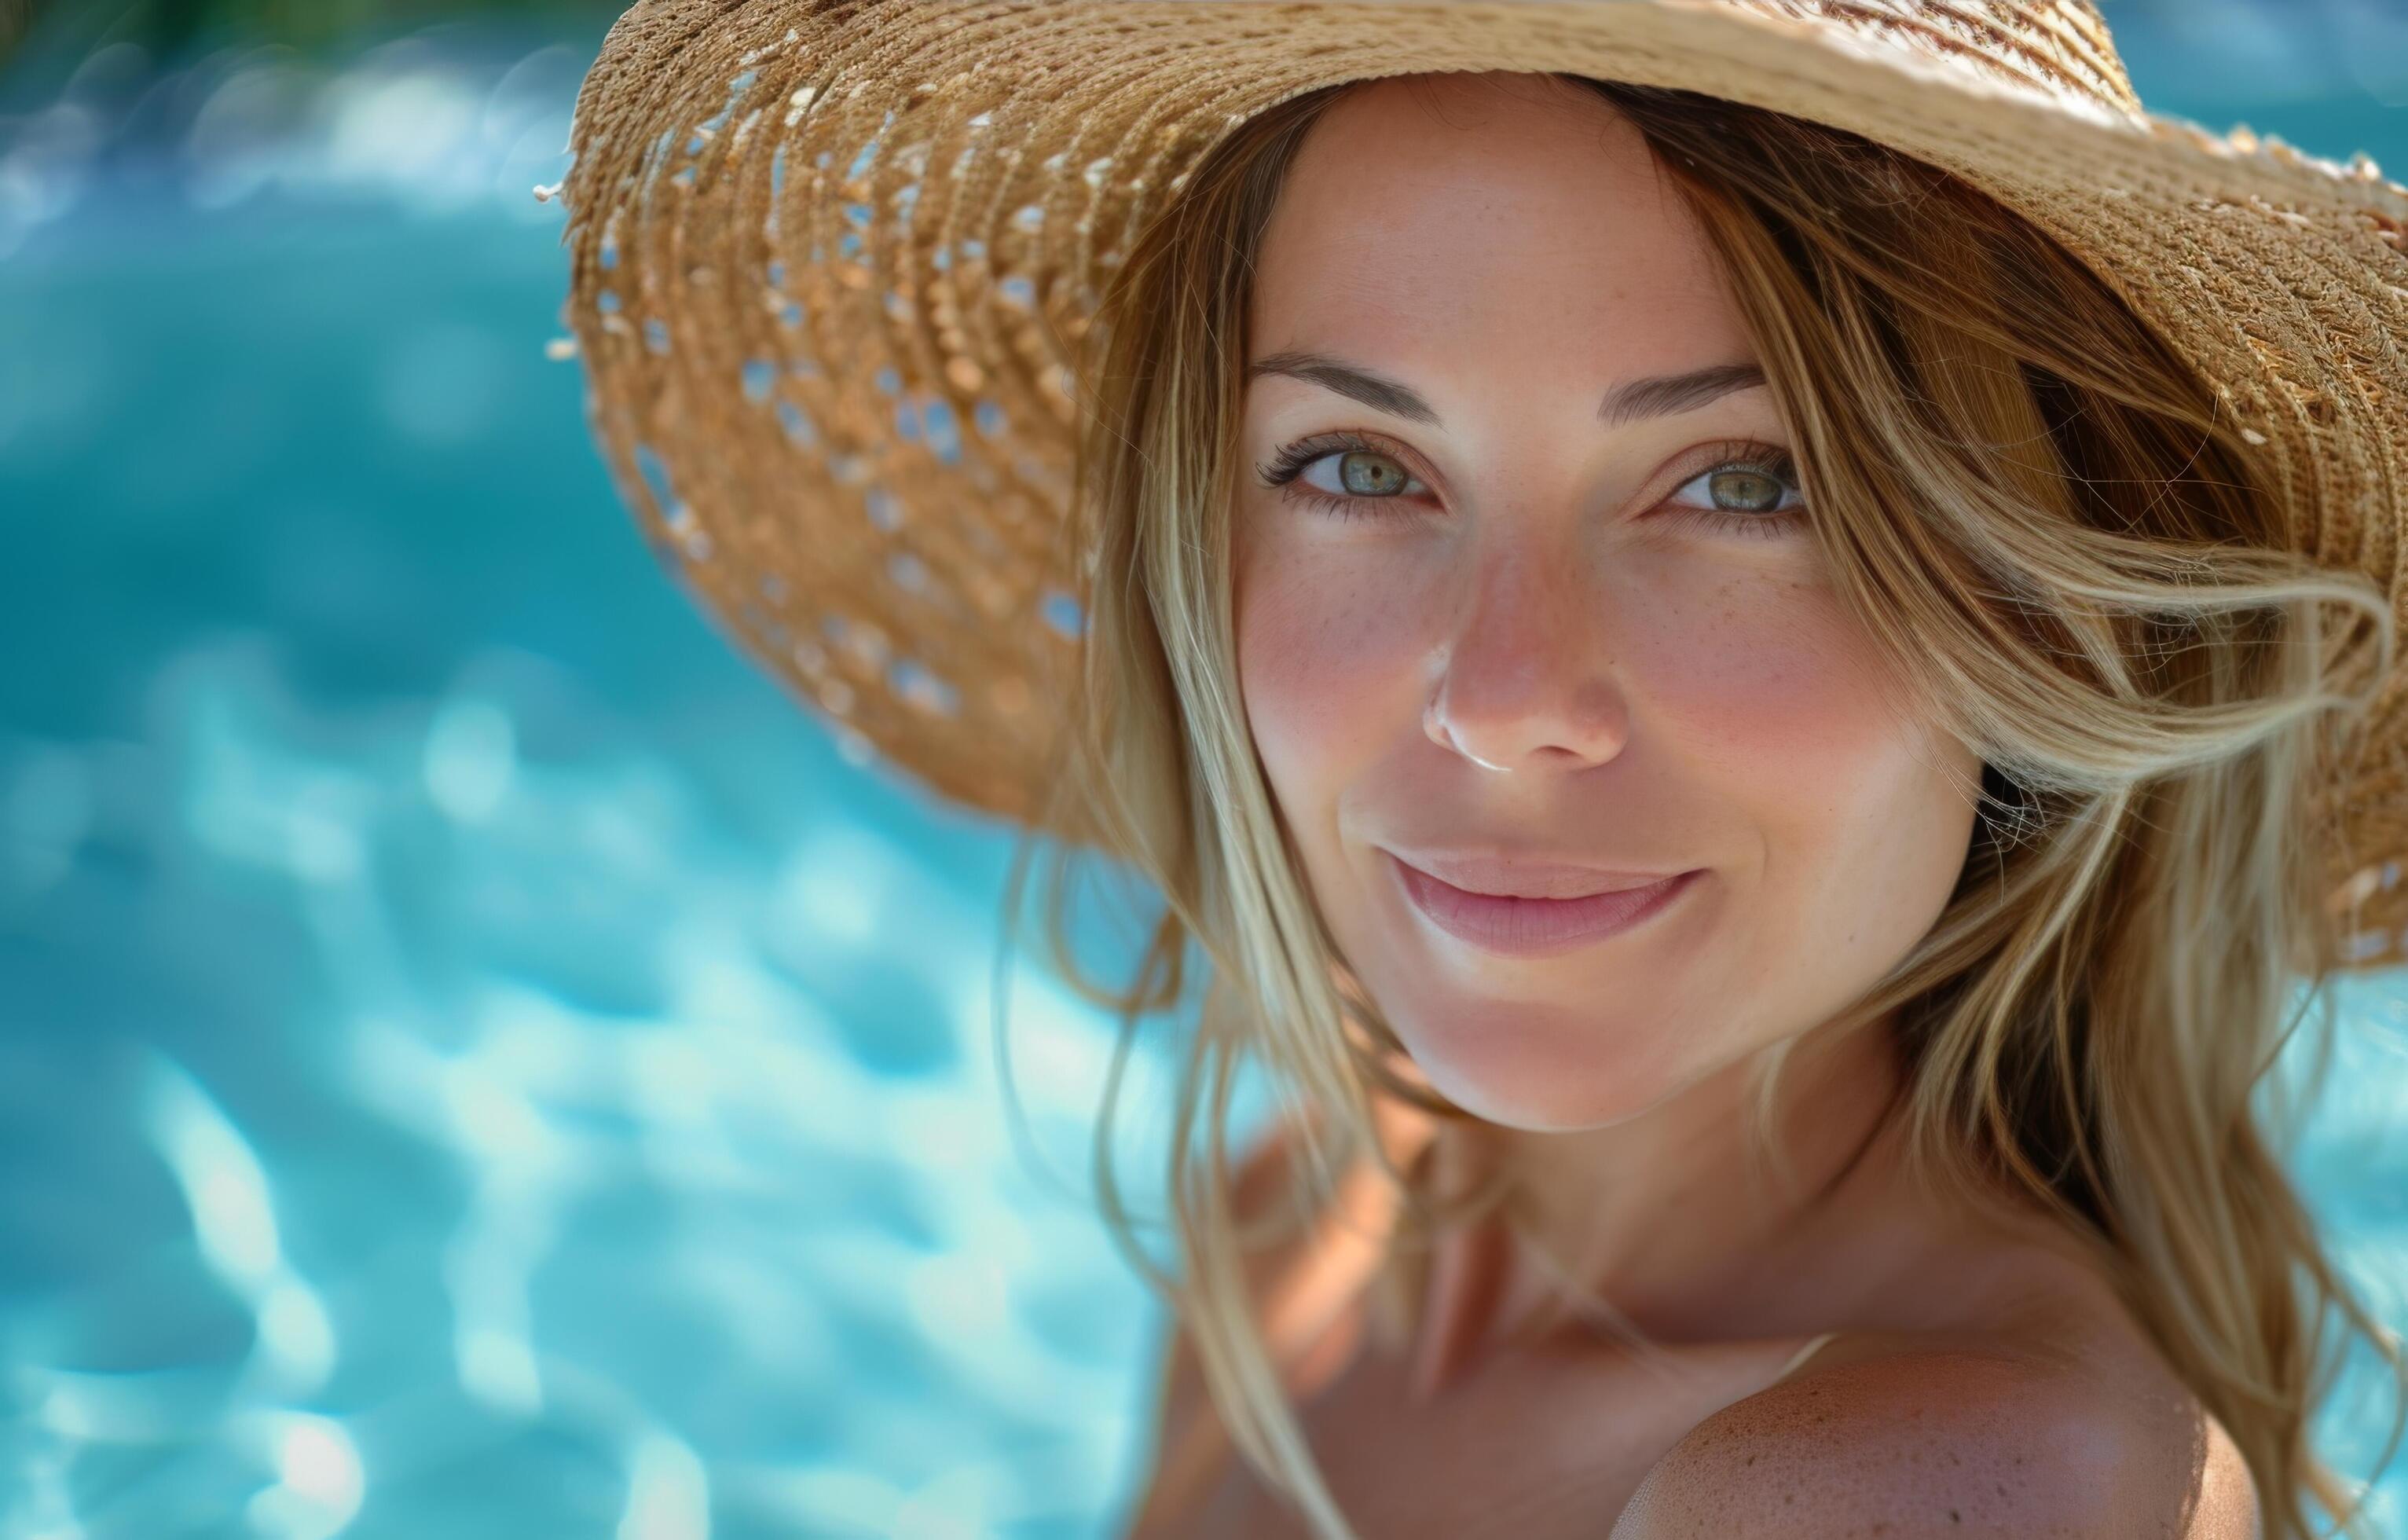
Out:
{"x": 1635, "y": 401}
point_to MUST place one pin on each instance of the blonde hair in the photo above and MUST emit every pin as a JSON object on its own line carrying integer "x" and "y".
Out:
{"x": 2040, "y": 517}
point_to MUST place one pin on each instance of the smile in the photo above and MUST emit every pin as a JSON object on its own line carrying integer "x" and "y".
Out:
{"x": 1534, "y": 928}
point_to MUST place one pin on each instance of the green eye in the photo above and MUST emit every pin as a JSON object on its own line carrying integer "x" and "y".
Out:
{"x": 1745, "y": 491}
{"x": 1756, "y": 493}
{"x": 1742, "y": 489}
{"x": 1368, "y": 480}
{"x": 1364, "y": 473}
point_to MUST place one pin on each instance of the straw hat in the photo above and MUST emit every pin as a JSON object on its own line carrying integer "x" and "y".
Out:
{"x": 832, "y": 263}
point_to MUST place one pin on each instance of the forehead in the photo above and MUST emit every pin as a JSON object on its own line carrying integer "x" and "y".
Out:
{"x": 1468, "y": 231}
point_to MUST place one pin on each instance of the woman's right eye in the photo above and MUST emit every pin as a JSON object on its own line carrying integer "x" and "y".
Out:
{"x": 1361, "y": 473}
{"x": 1342, "y": 476}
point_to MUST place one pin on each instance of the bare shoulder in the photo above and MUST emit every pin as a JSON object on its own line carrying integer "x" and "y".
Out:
{"x": 1972, "y": 1438}
{"x": 1190, "y": 1441}
{"x": 1288, "y": 1285}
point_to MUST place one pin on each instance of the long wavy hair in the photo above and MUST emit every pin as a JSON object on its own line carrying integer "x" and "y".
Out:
{"x": 2039, "y": 515}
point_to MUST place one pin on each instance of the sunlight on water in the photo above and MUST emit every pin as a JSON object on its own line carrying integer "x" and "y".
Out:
{"x": 233, "y": 1227}
{"x": 592, "y": 1141}
{"x": 478, "y": 1062}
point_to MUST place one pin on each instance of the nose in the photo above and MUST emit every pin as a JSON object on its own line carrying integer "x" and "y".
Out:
{"x": 1526, "y": 678}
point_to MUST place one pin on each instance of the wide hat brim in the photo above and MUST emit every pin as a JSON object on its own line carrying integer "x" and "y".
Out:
{"x": 831, "y": 264}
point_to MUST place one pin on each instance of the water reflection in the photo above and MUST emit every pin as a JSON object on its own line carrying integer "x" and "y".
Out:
{"x": 554, "y": 1106}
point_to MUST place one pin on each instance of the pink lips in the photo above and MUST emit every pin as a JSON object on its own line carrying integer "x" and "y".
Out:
{"x": 1534, "y": 928}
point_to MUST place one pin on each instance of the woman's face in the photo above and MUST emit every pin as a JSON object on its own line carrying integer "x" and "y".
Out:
{"x": 1553, "y": 600}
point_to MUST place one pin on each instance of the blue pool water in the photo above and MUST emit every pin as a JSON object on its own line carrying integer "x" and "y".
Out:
{"x": 474, "y": 1060}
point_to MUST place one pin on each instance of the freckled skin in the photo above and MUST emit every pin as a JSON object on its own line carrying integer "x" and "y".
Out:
{"x": 1666, "y": 697}
{"x": 1980, "y": 1445}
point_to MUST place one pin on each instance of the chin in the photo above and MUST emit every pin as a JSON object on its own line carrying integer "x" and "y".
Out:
{"x": 1526, "y": 1069}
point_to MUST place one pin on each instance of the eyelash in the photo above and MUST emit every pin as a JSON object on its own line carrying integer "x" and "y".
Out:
{"x": 1288, "y": 465}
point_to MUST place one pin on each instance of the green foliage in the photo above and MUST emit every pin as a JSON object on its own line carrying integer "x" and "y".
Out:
{"x": 166, "y": 28}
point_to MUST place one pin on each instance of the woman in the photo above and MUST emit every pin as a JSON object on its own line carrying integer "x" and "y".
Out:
{"x": 1754, "y": 638}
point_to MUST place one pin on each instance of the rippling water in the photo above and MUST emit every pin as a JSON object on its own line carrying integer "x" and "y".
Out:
{"x": 473, "y": 1059}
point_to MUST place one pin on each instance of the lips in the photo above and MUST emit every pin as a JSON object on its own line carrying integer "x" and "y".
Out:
{"x": 1528, "y": 928}
{"x": 1503, "y": 876}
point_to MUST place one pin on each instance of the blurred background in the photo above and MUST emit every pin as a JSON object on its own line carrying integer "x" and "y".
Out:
{"x": 474, "y": 1059}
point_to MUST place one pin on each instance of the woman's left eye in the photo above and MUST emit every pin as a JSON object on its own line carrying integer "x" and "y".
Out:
{"x": 1759, "y": 496}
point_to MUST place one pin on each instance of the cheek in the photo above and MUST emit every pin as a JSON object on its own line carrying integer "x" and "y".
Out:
{"x": 1326, "y": 649}
{"x": 1753, "y": 674}
{"x": 1787, "y": 715}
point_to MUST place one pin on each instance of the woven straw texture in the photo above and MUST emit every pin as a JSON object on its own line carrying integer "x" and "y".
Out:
{"x": 831, "y": 264}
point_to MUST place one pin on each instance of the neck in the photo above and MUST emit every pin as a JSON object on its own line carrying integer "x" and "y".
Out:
{"x": 1677, "y": 1223}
